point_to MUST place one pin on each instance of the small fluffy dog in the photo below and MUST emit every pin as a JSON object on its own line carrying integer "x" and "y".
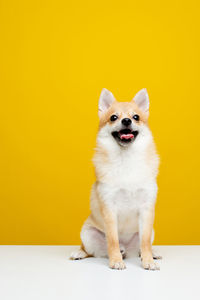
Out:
{"x": 124, "y": 194}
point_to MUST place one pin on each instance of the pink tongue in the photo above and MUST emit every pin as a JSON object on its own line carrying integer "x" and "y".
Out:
{"x": 126, "y": 136}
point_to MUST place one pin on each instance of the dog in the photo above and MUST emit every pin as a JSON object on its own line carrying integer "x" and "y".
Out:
{"x": 124, "y": 194}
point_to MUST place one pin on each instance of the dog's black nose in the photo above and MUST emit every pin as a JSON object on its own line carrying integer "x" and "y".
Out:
{"x": 126, "y": 121}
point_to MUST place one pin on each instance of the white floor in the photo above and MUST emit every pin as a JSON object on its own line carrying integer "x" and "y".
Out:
{"x": 45, "y": 272}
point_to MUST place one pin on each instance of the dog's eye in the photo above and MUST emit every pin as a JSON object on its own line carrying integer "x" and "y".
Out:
{"x": 113, "y": 118}
{"x": 136, "y": 117}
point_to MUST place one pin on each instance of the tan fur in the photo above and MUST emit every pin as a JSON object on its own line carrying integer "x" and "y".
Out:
{"x": 121, "y": 108}
{"x": 111, "y": 234}
{"x": 101, "y": 155}
{"x": 152, "y": 158}
{"x": 146, "y": 248}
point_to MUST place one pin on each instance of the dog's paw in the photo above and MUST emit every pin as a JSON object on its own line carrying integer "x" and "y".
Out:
{"x": 123, "y": 252}
{"x": 156, "y": 255}
{"x": 117, "y": 265}
{"x": 150, "y": 265}
{"x": 79, "y": 254}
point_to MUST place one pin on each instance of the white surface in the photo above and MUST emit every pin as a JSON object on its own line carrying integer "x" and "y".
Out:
{"x": 44, "y": 272}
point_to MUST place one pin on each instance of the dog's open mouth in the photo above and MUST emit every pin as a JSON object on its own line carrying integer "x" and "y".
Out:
{"x": 125, "y": 135}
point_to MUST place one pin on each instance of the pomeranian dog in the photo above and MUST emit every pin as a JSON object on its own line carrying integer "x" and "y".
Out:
{"x": 124, "y": 194}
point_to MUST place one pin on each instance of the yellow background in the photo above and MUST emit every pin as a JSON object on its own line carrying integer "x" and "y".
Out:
{"x": 55, "y": 57}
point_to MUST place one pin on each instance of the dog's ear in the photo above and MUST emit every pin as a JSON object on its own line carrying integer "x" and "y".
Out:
{"x": 105, "y": 101}
{"x": 142, "y": 100}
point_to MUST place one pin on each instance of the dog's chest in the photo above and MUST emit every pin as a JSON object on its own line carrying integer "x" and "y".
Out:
{"x": 126, "y": 204}
{"x": 127, "y": 172}
{"x": 127, "y": 182}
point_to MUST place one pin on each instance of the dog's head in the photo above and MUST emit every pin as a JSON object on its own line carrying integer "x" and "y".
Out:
{"x": 123, "y": 121}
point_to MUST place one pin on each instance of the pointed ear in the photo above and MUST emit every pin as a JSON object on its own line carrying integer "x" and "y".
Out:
{"x": 142, "y": 100}
{"x": 105, "y": 101}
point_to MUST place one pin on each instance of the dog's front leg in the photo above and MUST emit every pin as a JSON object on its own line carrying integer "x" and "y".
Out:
{"x": 146, "y": 220}
{"x": 111, "y": 231}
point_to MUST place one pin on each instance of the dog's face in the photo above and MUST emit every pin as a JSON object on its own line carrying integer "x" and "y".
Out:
{"x": 123, "y": 121}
